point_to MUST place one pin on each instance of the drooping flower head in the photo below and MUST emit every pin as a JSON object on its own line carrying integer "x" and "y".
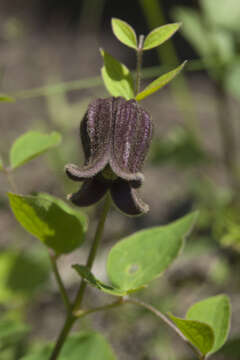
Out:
{"x": 115, "y": 135}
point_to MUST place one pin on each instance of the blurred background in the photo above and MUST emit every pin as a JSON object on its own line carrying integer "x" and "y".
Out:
{"x": 50, "y": 61}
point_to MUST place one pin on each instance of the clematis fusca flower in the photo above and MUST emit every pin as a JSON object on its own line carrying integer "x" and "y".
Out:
{"x": 115, "y": 135}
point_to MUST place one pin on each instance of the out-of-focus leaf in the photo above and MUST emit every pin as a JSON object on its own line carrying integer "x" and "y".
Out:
{"x": 11, "y": 332}
{"x": 198, "y": 333}
{"x": 224, "y": 13}
{"x": 1, "y": 164}
{"x": 30, "y": 145}
{"x": 85, "y": 273}
{"x": 116, "y": 77}
{"x": 21, "y": 275}
{"x": 51, "y": 220}
{"x": 143, "y": 256}
{"x": 194, "y": 30}
{"x": 232, "y": 78}
{"x": 231, "y": 349}
{"x": 124, "y": 33}
{"x": 180, "y": 147}
{"x": 6, "y": 98}
{"x": 159, "y": 83}
{"x": 79, "y": 346}
{"x": 159, "y": 35}
{"x": 214, "y": 311}
{"x": 223, "y": 45}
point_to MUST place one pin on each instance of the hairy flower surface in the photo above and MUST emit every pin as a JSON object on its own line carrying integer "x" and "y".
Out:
{"x": 115, "y": 135}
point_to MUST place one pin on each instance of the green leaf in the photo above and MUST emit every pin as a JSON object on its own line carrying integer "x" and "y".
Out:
{"x": 50, "y": 220}
{"x": 116, "y": 76}
{"x": 198, "y": 333}
{"x": 30, "y": 145}
{"x": 86, "y": 274}
{"x": 143, "y": 256}
{"x": 194, "y": 30}
{"x": 21, "y": 275}
{"x": 159, "y": 35}
{"x": 227, "y": 14}
{"x": 6, "y": 98}
{"x": 214, "y": 311}
{"x": 11, "y": 332}
{"x": 159, "y": 83}
{"x": 124, "y": 33}
{"x": 232, "y": 78}
{"x": 85, "y": 345}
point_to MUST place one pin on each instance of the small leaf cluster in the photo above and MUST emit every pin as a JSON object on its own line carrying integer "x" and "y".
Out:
{"x": 117, "y": 77}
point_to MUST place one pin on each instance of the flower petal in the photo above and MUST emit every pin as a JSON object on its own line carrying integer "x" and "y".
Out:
{"x": 76, "y": 173}
{"x": 90, "y": 193}
{"x": 127, "y": 199}
{"x": 132, "y": 133}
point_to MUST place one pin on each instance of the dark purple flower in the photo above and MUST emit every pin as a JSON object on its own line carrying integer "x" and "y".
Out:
{"x": 115, "y": 135}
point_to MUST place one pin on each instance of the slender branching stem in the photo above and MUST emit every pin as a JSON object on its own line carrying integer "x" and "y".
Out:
{"x": 81, "y": 313}
{"x": 11, "y": 182}
{"x": 139, "y": 63}
{"x": 63, "y": 292}
{"x": 71, "y": 318}
{"x": 164, "y": 318}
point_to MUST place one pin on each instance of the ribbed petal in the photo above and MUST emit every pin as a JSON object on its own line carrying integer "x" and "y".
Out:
{"x": 76, "y": 173}
{"x": 90, "y": 193}
{"x": 131, "y": 137}
{"x": 127, "y": 199}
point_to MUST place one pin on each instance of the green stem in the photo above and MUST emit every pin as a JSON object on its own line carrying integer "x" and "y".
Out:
{"x": 63, "y": 292}
{"x": 139, "y": 63}
{"x": 71, "y": 318}
{"x": 117, "y": 303}
{"x": 168, "y": 55}
{"x": 164, "y": 318}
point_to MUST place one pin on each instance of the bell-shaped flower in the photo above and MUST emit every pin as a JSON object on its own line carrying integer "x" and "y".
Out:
{"x": 115, "y": 135}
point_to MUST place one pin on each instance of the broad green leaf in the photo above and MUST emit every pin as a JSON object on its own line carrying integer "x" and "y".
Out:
{"x": 30, "y": 145}
{"x": 85, "y": 345}
{"x": 194, "y": 30}
{"x": 198, "y": 333}
{"x": 159, "y": 83}
{"x": 124, "y": 33}
{"x": 159, "y": 35}
{"x": 225, "y": 14}
{"x": 84, "y": 272}
{"x": 6, "y": 98}
{"x": 50, "y": 220}
{"x": 21, "y": 275}
{"x": 143, "y": 256}
{"x": 214, "y": 311}
{"x": 116, "y": 76}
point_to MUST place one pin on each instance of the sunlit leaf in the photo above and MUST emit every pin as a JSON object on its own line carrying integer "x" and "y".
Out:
{"x": 198, "y": 333}
{"x": 51, "y": 220}
{"x": 143, "y": 256}
{"x": 116, "y": 76}
{"x": 30, "y": 145}
{"x": 124, "y": 33}
{"x": 214, "y": 311}
{"x": 159, "y": 35}
{"x": 159, "y": 83}
{"x": 84, "y": 272}
{"x": 79, "y": 346}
